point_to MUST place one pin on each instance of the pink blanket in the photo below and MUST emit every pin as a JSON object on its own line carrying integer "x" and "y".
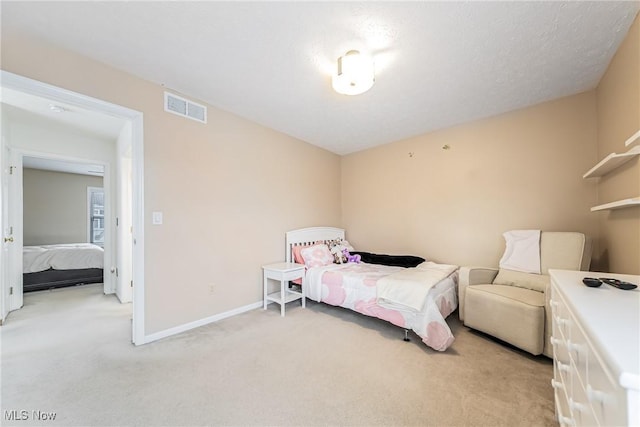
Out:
{"x": 354, "y": 286}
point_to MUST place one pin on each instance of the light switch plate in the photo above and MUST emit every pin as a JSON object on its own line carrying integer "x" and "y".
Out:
{"x": 156, "y": 218}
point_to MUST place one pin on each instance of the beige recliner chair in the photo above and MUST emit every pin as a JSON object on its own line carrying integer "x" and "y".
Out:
{"x": 514, "y": 306}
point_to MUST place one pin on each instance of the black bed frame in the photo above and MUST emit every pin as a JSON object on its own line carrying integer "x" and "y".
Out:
{"x": 50, "y": 279}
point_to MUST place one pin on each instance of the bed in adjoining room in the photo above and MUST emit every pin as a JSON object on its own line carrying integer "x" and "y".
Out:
{"x": 56, "y": 266}
{"x": 411, "y": 293}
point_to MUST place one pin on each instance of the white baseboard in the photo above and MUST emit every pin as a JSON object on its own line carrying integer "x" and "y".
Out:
{"x": 191, "y": 325}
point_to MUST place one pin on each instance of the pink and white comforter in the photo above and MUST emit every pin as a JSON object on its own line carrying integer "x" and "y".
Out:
{"x": 354, "y": 286}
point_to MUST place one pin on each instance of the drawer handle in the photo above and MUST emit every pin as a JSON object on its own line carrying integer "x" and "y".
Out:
{"x": 594, "y": 395}
{"x": 566, "y": 421}
{"x": 575, "y": 406}
{"x": 574, "y": 347}
{"x": 557, "y": 384}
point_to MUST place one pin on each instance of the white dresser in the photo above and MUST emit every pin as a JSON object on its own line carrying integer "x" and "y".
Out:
{"x": 596, "y": 350}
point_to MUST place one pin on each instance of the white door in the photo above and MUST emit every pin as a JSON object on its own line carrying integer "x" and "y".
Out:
{"x": 124, "y": 237}
{"x": 12, "y": 230}
{"x": 6, "y": 237}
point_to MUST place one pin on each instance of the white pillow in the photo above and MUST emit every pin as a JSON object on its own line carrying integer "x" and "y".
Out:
{"x": 522, "y": 252}
{"x": 317, "y": 256}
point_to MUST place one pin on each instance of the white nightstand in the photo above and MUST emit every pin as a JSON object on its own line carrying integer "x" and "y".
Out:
{"x": 283, "y": 272}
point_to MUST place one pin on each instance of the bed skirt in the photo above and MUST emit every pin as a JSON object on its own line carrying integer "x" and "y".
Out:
{"x": 51, "y": 278}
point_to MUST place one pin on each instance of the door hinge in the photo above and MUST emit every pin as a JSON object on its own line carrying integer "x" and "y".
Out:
{"x": 11, "y": 168}
{"x": 116, "y": 272}
{"x": 117, "y": 221}
{"x": 132, "y": 283}
{"x": 11, "y": 290}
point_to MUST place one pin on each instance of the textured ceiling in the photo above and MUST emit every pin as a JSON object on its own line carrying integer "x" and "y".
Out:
{"x": 437, "y": 63}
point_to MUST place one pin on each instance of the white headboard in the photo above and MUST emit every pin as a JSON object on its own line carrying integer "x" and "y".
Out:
{"x": 306, "y": 236}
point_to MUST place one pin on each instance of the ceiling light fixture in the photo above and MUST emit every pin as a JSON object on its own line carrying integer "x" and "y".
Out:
{"x": 354, "y": 75}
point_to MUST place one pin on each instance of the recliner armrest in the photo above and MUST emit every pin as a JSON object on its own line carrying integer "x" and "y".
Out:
{"x": 477, "y": 275}
{"x": 469, "y": 276}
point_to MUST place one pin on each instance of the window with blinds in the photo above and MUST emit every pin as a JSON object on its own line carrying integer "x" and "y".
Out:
{"x": 96, "y": 215}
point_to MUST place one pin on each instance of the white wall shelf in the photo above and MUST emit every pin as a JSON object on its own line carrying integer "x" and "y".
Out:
{"x": 635, "y": 138}
{"x": 625, "y": 203}
{"x": 611, "y": 162}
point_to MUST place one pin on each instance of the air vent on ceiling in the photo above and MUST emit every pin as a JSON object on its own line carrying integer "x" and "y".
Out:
{"x": 183, "y": 107}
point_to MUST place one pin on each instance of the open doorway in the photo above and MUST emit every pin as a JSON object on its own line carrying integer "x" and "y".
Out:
{"x": 63, "y": 222}
{"x": 124, "y": 174}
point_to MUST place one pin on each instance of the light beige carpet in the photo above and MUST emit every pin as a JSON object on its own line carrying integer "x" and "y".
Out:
{"x": 69, "y": 352}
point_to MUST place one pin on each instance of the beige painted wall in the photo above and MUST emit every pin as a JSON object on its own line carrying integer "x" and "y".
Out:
{"x": 229, "y": 190}
{"x": 55, "y": 206}
{"x": 520, "y": 170}
{"x": 618, "y": 96}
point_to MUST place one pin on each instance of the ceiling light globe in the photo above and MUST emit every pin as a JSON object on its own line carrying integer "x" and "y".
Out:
{"x": 355, "y": 74}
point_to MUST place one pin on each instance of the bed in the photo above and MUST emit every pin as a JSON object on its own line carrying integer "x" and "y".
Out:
{"x": 55, "y": 266}
{"x": 418, "y": 298}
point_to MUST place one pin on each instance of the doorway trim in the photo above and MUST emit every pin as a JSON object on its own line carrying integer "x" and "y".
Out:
{"x": 54, "y": 93}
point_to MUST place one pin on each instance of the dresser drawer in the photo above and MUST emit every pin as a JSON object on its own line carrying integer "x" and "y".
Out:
{"x": 563, "y": 414}
{"x": 608, "y": 399}
{"x": 579, "y": 405}
{"x": 560, "y": 313}
{"x": 578, "y": 348}
{"x": 596, "y": 340}
{"x": 561, "y": 360}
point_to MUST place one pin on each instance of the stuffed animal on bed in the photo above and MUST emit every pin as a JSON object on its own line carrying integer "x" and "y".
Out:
{"x": 351, "y": 258}
{"x": 338, "y": 254}
{"x": 337, "y": 249}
